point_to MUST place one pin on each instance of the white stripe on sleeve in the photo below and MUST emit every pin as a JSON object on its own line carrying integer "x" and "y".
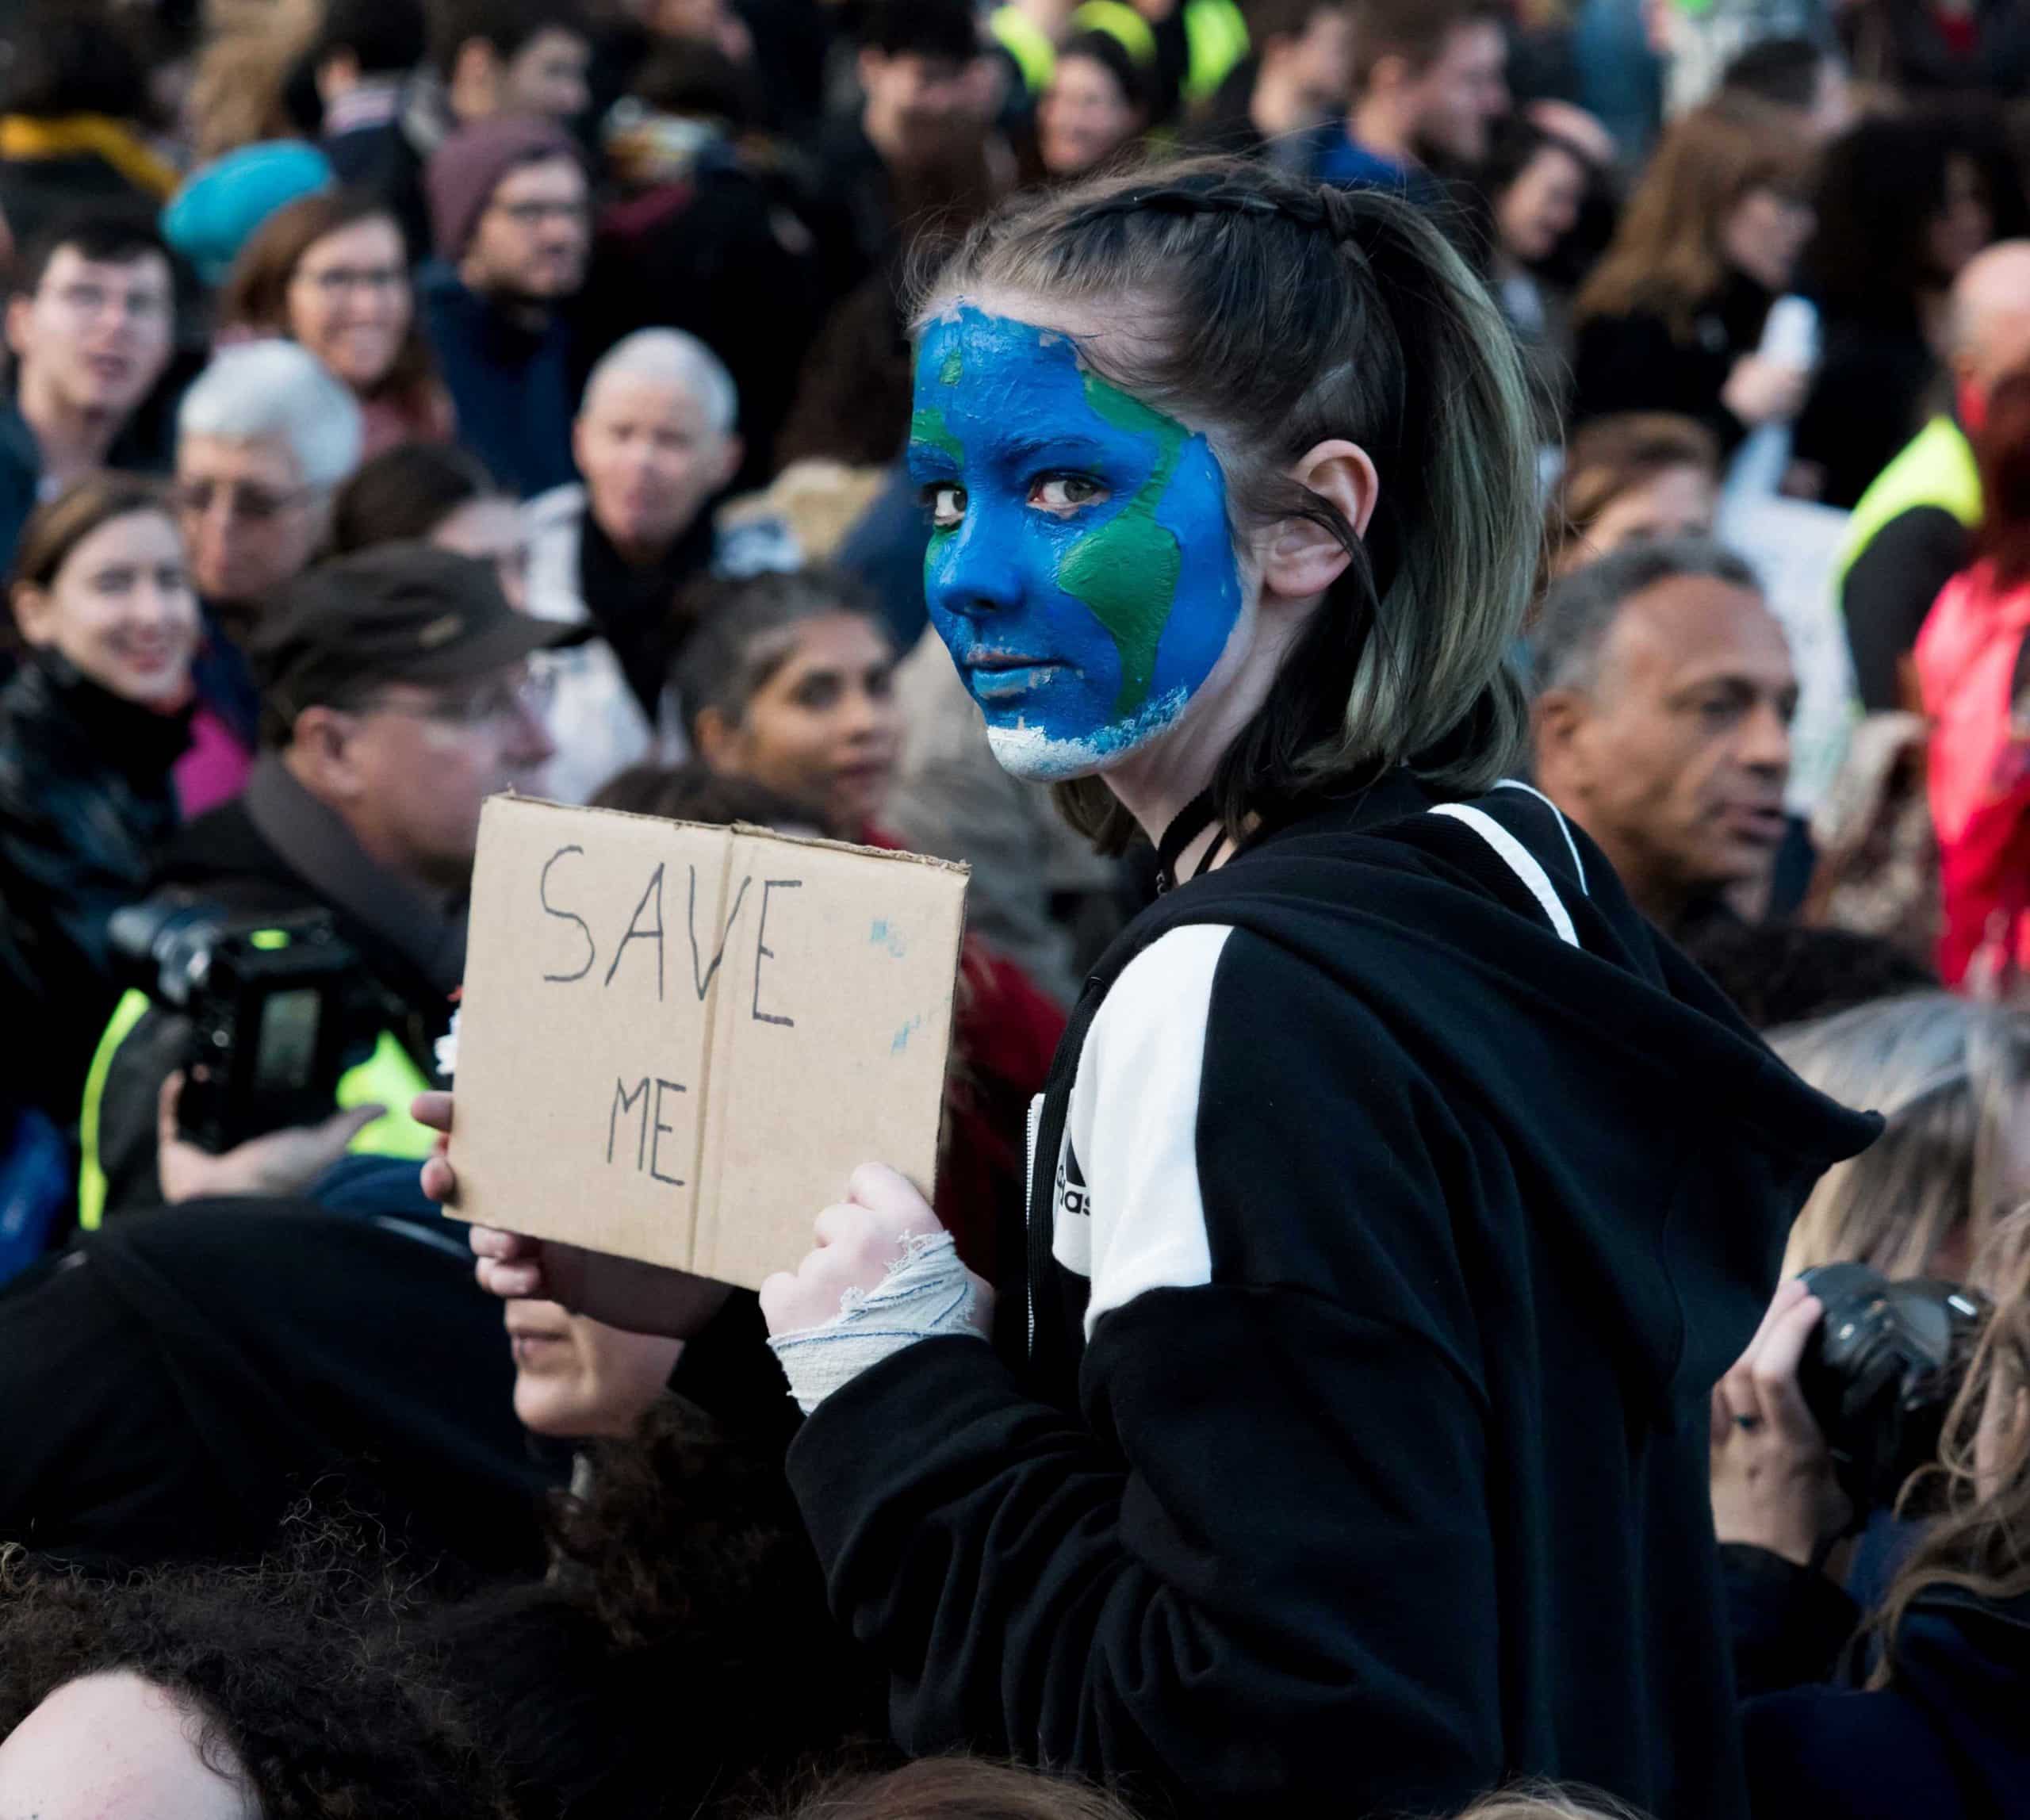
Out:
{"x": 1520, "y": 861}
{"x": 1133, "y": 1126}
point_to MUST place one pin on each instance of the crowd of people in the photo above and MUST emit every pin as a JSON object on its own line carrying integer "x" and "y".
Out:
{"x": 1459, "y": 572}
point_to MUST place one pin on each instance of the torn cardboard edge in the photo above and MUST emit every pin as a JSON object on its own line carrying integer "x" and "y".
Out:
{"x": 676, "y": 1039}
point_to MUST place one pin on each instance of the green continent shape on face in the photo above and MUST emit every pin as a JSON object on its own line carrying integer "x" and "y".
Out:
{"x": 1126, "y": 572}
{"x": 929, "y": 426}
{"x": 952, "y": 369}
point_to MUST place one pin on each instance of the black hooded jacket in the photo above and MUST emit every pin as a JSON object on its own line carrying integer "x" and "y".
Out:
{"x": 87, "y": 802}
{"x": 1399, "y": 1197}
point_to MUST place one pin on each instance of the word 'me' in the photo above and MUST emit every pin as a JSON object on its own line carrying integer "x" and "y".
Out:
{"x": 647, "y": 925}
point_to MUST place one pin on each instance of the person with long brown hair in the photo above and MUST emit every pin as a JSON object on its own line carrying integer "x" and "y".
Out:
{"x": 1921, "y": 1712}
{"x": 1672, "y": 316}
{"x": 331, "y": 272}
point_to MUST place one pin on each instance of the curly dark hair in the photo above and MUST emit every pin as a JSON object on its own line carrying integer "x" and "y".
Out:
{"x": 679, "y": 1658}
{"x": 958, "y": 1788}
{"x": 1880, "y": 188}
{"x": 690, "y": 793}
{"x": 306, "y": 1671}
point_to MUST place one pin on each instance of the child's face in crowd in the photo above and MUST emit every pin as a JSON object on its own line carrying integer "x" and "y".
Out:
{"x": 121, "y": 610}
{"x": 823, "y": 729}
{"x": 96, "y": 334}
{"x": 1082, "y": 565}
{"x": 576, "y": 1379}
{"x": 651, "y": 458}
{"x": 113, "y": 1746}
{"x": 350, "y": 302}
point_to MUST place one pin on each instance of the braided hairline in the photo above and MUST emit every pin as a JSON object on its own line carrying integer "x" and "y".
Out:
{"x": 1324, "y": 210}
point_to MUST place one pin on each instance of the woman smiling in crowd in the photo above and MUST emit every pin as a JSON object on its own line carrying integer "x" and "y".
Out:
{"x": 91, "y": 725}
{"x": 331, "y": 272}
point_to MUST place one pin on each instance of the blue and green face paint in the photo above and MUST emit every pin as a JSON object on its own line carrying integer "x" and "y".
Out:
{"x": 1081, "y": 567}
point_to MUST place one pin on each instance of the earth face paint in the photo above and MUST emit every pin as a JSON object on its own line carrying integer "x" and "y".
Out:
{"x": 1080, "y": 566}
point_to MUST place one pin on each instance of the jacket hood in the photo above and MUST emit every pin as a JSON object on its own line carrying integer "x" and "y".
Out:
{"x": 1637, "y": 1109}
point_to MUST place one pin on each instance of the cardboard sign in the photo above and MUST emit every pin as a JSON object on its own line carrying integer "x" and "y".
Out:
{"x": 676, "y": 1042}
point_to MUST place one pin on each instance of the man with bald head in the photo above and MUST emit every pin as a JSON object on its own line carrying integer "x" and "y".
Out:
{"x": 1912, "y": 530}
{"x": 657, "y": 441}
{"x": 1661, "y": 722}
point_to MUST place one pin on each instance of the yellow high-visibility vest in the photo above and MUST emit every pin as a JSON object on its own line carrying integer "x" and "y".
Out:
{"x": 389, "y": 1077}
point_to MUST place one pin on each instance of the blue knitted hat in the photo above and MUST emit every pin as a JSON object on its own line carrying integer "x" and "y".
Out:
{"x": 220, "y": 208}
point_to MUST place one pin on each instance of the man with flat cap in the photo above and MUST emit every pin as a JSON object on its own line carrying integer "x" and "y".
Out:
{"x": 396, "y": 697}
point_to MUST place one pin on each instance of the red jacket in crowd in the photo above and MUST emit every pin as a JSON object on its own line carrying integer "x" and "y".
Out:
{"x": 1967, "y": 663}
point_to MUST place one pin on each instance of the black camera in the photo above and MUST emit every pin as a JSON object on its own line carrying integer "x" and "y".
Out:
{"x": 279, "y": 1008}
{"x": 1880, "y": 1374}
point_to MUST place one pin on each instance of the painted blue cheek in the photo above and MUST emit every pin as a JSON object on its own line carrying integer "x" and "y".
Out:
{"x": 1208, "y": 603}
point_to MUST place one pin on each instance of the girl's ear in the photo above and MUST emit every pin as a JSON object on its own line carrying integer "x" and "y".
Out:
{"x": 31, "y": 613}
{"x": 1303, "y": 559}
{"x": 713, "y": 738}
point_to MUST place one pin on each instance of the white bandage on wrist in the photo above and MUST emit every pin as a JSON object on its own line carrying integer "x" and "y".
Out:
{"x": 927, "y": 1292}
{"x": 447, "y": 1050}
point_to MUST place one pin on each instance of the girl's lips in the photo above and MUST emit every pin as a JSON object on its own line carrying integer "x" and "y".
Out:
{"x": 147, "y": 661}
{"x": 997, "y": 678}
{"x": 529, "y": 1348}
{"x": 868, "y": 774}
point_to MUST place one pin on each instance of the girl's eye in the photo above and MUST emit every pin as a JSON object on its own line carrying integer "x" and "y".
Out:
{"x": 1064, "y": 493}
{"x": 946, "y": 503}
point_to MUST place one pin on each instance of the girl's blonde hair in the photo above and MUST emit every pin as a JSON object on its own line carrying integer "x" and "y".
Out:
{"x": 1980, "y": 1545}
{"x": 1284, "y": 315}
{"x": 1948, "y": 1076}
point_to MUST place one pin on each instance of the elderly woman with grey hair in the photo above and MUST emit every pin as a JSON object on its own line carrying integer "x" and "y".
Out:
{"x": 265, "y": 438}
{"x": 656, "y": 441}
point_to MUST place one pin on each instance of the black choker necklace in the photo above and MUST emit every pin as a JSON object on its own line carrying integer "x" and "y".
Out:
{"x": 1186, "y": 826}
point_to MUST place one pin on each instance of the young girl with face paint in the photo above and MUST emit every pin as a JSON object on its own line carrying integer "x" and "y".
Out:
{"x": 1397, "y": 1196}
